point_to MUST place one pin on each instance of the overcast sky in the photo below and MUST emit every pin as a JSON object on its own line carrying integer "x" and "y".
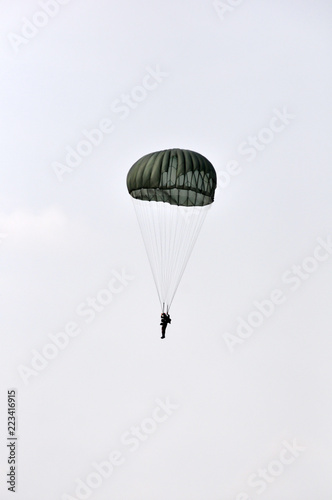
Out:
{"x": 243, "y": 380}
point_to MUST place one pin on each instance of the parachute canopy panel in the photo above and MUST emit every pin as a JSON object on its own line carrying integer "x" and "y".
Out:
{"x": 175, "y": 176}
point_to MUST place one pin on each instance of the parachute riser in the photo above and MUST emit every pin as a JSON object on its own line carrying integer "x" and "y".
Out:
{"x": 165, "y": 308}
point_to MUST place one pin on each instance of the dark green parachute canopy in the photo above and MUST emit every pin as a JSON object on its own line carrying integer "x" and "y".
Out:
{"x": 175, "y": 176}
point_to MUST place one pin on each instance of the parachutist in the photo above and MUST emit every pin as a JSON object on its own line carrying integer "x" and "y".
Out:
{"x": 165, "y": 319}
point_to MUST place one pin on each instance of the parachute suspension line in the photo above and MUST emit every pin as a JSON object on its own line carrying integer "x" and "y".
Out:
{"x": 193, "y": 237}
{"x": 151, "y": 214}
{"x": 174, "y": 243}
{"x": 149, "y": 240}
{"x": 169, "y": 233}
{"x": 163, "y": 247}
{"x": 193, "y": 223}
{"x": 158, "y": 256}
{"x": 170, "y": 244}
{"x": 179, "y": 242}
{"x": 172, "y": 191}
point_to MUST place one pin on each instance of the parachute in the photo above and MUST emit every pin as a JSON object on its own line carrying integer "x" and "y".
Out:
{"x": 172, "y": 190}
